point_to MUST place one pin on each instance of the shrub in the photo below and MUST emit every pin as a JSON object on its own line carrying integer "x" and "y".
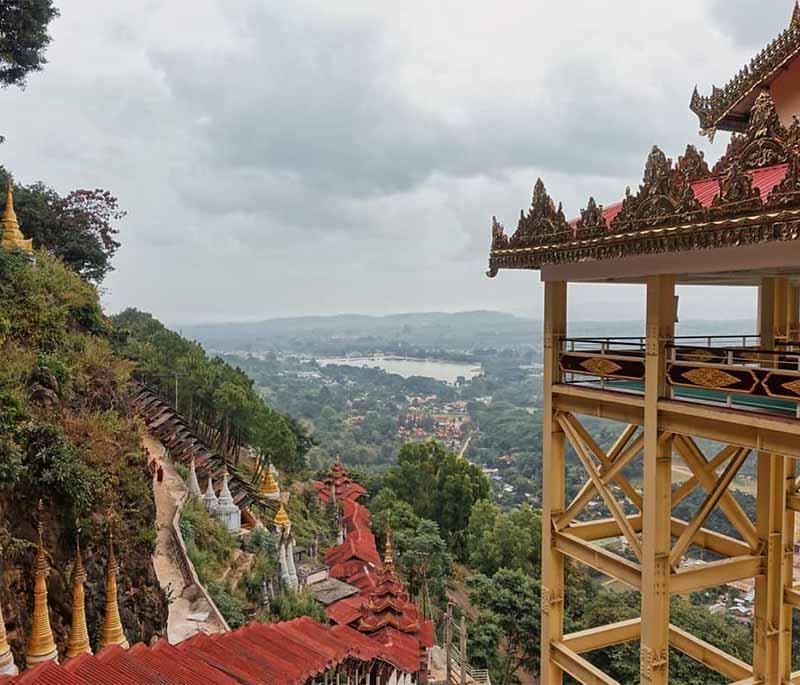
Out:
{"x": 232, "y": 608}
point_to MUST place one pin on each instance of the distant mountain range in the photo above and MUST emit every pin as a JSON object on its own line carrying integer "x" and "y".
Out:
{"x": 461, "y": 331}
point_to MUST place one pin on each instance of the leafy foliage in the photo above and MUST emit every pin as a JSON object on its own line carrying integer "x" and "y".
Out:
{"x": 289, "y": 605}
{"x": 23, "y": 38}
{"x": 439, "y": 486}
{"x": 509, "y": 603}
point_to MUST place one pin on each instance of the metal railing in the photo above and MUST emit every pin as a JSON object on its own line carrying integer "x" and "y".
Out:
{"x": 727, "y": 369}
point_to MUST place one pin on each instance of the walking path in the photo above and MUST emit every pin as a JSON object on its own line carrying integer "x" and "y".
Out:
{"x": 189, "y": 612}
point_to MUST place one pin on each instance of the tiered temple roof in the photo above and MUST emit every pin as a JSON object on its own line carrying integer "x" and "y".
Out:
{"x": 750, "y": 199}
{"x": 383, "y": 611}
{"x": 338, "y": 481}
{"x": 728, "y": 108}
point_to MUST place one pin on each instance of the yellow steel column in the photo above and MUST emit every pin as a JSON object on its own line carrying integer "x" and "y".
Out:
{"x": 790, "y": 472}
{"x": 781, "y": 322}
{"x": 770, "y": 509}
{"x": 657, "y": 488}
{"x": 553, "y": 494}
{"x": 768, "y": 609}
{"x": 793, "y": 307}
{"x": 766, "y": 313}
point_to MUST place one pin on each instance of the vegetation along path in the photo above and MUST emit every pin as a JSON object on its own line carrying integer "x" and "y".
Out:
{"x": 189, "y": 612}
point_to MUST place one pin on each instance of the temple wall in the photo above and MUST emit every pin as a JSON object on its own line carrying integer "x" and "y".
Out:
{"x": 785, "y": 92}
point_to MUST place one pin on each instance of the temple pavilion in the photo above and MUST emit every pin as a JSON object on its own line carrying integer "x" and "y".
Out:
{"x": 734, "y": 223}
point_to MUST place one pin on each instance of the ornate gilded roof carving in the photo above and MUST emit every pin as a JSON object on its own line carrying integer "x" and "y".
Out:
{"x": 712, "y": 110}
{"x": 665, "y": 214}
{"x": 543, "y": 223}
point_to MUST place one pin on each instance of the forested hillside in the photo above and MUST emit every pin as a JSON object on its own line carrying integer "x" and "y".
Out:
{"x": 217, "y": 398}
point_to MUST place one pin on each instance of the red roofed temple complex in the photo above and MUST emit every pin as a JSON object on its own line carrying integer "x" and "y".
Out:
{"x": 672, "y": 397}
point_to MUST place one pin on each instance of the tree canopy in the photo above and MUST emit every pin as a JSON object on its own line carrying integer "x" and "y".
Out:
{"x": 439, "y": 486}
{"x": 24, "y": 38}
{"x": 217, "y": 399}
{"x": 79, "y": 228}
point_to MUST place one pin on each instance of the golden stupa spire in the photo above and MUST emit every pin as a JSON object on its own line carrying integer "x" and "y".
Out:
{"x": 12, "y": 237}
{"x": 112, "y": 633}
{"x": 41, "y": 645}
{"x": 269, "y": 485}
{"x": 79, "y": 634}
{"x": 282, "y": 518}
{"x": 7, "y": 665}
{"x": 388, "y": 560}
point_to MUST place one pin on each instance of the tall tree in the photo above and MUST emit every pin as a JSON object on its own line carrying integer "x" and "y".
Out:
{"x": 23, "y": 38}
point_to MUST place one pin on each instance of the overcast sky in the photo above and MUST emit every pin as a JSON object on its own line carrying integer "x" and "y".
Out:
{"x": 289, "y": 158}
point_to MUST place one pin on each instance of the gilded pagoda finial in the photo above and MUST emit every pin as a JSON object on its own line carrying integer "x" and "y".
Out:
{"x": 79, "y": 633}
{"x": 12, "y": 237}
{"x": 388, "y": 559}
{"x": 282, "y": 520}
{"x": 269, "y": 486}
{"x": 41, "y": 645}
{"x": 112, "y": 632}
{"x": 7, "y": 665}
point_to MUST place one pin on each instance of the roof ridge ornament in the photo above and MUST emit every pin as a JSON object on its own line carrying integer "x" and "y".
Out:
{"x": 544, "y": 223}
{"x": 766, "y": 142}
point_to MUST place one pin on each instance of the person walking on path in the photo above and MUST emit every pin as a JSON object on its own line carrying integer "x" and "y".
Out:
{"x": 160, "y": 474}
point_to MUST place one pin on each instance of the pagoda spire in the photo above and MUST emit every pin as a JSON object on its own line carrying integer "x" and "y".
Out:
{"x": 388, "y": 559}
{"x": 795, "y": 15}
{"x": 41, "y": 645}
{"x": 79, "y": 634}
{"x": 7, "y": 665}
{"x": 282, "y": 521}
{"x": 112, "y": 632}
{"x": 269, "y": 486}
{"x": 12, "y": 237}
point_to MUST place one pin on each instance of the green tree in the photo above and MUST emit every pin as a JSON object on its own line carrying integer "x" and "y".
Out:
{"x": 510, "y": 601}
{"x": 440, "y": 486}
{"x": 23, "y": 38}
{"x": 498, "y": 540}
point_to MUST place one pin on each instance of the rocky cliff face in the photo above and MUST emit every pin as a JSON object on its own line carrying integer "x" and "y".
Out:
{"x": 67, "y": 437}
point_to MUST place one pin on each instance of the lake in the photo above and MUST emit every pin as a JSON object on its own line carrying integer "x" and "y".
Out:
{"x": 429, "y": 368}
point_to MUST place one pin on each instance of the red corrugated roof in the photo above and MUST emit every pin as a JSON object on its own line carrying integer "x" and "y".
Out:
{"x": 707, "y": 189}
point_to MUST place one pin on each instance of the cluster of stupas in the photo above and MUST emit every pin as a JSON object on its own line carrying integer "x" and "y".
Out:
{"x": 220, "y": 506}
{"x": 41, "y": 646}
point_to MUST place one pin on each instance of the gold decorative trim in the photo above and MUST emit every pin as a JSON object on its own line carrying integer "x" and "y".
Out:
{"x": 601, "y": 366}
{"x": 710, "y": 378}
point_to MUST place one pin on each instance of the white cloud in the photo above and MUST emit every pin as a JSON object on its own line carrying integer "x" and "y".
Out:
{"x": 316, "y": 157}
